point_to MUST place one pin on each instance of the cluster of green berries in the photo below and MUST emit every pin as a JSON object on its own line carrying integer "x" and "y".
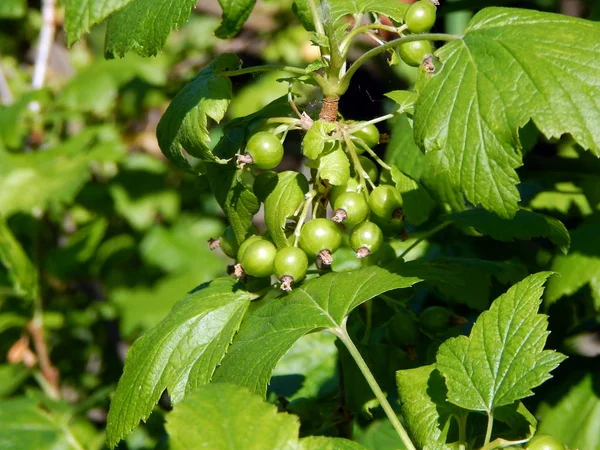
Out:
{"x": 419, "y": 18}
{"x": 362, "y": 214}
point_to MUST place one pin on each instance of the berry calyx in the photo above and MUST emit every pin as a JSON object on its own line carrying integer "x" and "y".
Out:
{"x": 264, "y": 150}
{"x": 365, "y": 239}
{"x": 420, "y": 16}
{"x": 290, "y": 266}
{"x": 321, "y": 238}
{"x": 258, "y": 258}
{"x": 351, "y": 208}
{"x": 413, "y": 53}
{"x": 385, "y": 202}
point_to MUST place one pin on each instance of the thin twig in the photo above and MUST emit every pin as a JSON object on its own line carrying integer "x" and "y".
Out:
{"x": 49, "y": 372}
{"x": 44, "y": 45}
{"x": 6, "y": 96}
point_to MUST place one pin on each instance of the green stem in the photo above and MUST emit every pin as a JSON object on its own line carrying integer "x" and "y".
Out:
{"x": 462, "y": 428}
{"x": 263, "y": 68}
{"x": 354, "y": 128}
{"x": 369, "y": 325}
{"x": 362, "y": 174}
{"x": 345, "y": 45}
{"x": 488, "y": 431}
{"x": 345, "y": 82}
{"x": 315, "y": 17}
{"x": 342, "y": 334}
{"x": 307, "y": 202}
{"x": 424, "y": 237}
{"x": 374, "y": 155}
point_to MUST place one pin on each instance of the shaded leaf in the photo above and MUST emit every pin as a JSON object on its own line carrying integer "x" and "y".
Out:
{"x": 223, "y": 416}
{"x": 417, "y": 205}
{"x": 328, "y": 443}
{"x": 21, "y": 271}
{"x": 179, "y": 354}
{"x": 273, "y": 326}
{"x": 184, "y": 125}
{"x": 511, "y": 66}
{"x": 235, "y": 13}
{"x": 503, "y": 358}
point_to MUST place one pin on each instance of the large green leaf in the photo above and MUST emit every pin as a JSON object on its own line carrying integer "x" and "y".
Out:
{"x": 81, "y": 15}
{"x": 238, "y": 202}
{"x": 144, "y": 25}
{"x": 222, "y": 416}
{"x": 21, "y": 271}
{"x": 179, "y": 354}
{"x": 503, "y": 358}
{"x": 511, "y": 66}
{"x": 184, "y": 124}
{"x": 524, "y": 225}
{"x": 282, "y": 202}
{"x": 273, "y": 326}
{"x": 581, "y": 266}
{"x": 575, "y": 418}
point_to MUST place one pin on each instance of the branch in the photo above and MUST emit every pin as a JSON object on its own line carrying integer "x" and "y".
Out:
{"x": 44, "y": 45}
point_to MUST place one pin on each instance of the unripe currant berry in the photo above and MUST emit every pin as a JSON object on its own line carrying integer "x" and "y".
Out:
{"x": 244, "y": 245}
{"x": 385, "y": 201}
{"x": 264, "y": 150}
{"x": 420, "y": 16}
{"x": 366, "y": 238}
{"x": 290, "y": 266}
{"x": 321, "y": 238}
{"x": 413, "y": 53}
{"x": 258, "y": 258}
{"x": 370, "y": 167}
{"x": 352, "y": 185}
{"x": 351, "y": 208}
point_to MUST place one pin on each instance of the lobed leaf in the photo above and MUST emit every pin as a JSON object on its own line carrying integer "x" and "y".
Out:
{"x": 81, "y": 15}
{"x": 524, "y": 225}
{"x": 285, "y": 198}
{"x": 511, "y": 66}
{"x": 21, "y": 270}
{"x": 503, "y": 358}
{"x": 144, "y": 25}
{"x": 179, "y": 354}
{"x": 184, "y": 124}
{"x": 318, "y": 139}
{"x": 223, "y": 416}
{"x": 273, "y": 326}
{"x": 334, "y": 166}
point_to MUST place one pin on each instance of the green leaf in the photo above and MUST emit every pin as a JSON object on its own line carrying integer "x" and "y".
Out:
{"x": 28, "y": 426}
{"x": 380, "y": 435}
{"x": 235, "y": 14}
{"x": 16, "y": 119}
{"x": 511, "y": 66}
{"x": 422, "y": 394}
{"x": 144, "y": 25}
{"x": 404, "y": 99}
{"x": 524, "y": 225}
{"x": 223, "y": 416}
{"x": 238, "y": 202}
{"x": 503, "y": 358}
{"x": 318, "y": 138}
{"x": 417, "y": 205}
{"x": 21, "y": 271}
{"x": 13, "y": 9}
{"x": 328, "y": 443}
{"x": 581, "y": 405}
{"x": 277, "y": 324}
{"x": 81, "y": 15}
{"x": 581, "y": 266}
{"x": 391, "y": 8}
{"x": 282, "y": 202}
{"x": 179, "y": 354}
{"x": 334, "y": 166}
{"x": 184, "y": 124}
{"x": 11, "y": 377}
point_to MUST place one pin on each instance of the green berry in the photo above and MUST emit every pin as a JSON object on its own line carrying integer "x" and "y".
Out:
{"x": 435, "y": 319}
{"x": 258, "y": 258}
{"x": 402, "y": 330}
{"x": 420, "y": 16}
{"x": 352, "y": 185}
{"x": 370, "y": 167}
{"x": 320, "y": 237}
{"x": 385, "y": 201}
{"x": 545, "y": 442}
{"x": 413, "y": 53}
{"x": 368, "y": 133}
{"x": 290, "y": 266}
{"x": 350, "y": 208}
{"x": 366, "y": 238}
{"x": 265, "y": 149}
{"x": 244, "y": 245}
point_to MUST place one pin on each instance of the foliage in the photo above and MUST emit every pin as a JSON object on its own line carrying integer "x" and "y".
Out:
{"x": 472, "y": 176}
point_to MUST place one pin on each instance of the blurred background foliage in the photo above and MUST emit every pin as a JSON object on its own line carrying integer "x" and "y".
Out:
{"x": 117, "y": 235}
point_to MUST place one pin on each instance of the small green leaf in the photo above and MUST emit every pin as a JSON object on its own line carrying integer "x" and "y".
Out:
{"x": 81, "y": 15}
{"x": 524, "y": 225}
{"x": 21, "y": 271}
{"x": 417, "y": 205}
{"x": 503, "y": 358}
{"x": 235, "y": 13}
{"x": 391, "y": 8}
{"x": 179, "y": 354}
{"x": 328, "y": 443}
{"x": 511, "y": 66}
{"x": 13, "y": 9}
{"x": 282, "y": 202}
{"x": 334, "y": 166}
{"x": 422, "y": 394}
{"x": 317, "y": 139}
{"x": 184, "y": 124}
{"x": 238, "y": 202}
{"x": 144, "y": 25}
{"x": 404, "y": 99}
{"x": 223, "y": 416}
{"x": 581, "y": 266}
{"x": 581, "y": 405}
{"x": 277, "y": 324}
